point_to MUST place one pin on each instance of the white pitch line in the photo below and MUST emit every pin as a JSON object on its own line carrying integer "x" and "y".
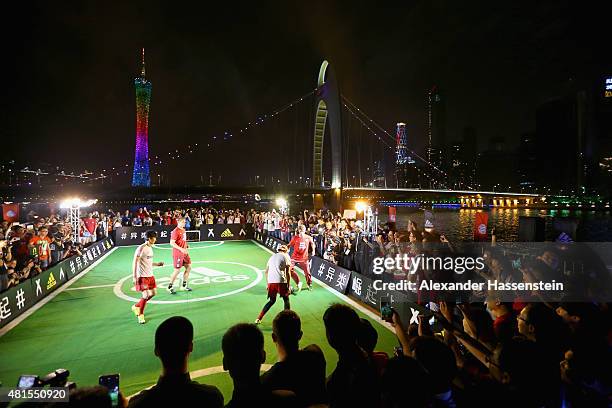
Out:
{"x": 50, "y": 297}
{"x": 92, "y": 287}
{"x": 159, "y": 246}
{"x": 217, "y": 243}
{"x": 345, "y": 298}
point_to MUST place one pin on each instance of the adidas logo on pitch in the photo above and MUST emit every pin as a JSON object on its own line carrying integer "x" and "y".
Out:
{"x": 227, "y": 233}
{"x": 51, "y": 282}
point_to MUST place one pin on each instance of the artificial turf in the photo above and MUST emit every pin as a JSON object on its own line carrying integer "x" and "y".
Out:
{"x": 90, "y": 330}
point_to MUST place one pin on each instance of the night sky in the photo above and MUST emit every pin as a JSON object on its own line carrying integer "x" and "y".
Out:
{"x": 68, "y": 92}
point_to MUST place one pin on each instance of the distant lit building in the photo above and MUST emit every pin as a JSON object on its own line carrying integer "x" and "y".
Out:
{"x": 378, "y": 174}
{"x": 462, "y": 157}
{"x": 436, "y": 120}
{"x": 401, "y": 145}
{"x": 405, "y": 166}
{"x": 141, "y": 176}
{"x": 437, "y": 145}
{"x": 527, "y": 162}
{"x": 496, "y": 167}
{"x": 574, "y": 136}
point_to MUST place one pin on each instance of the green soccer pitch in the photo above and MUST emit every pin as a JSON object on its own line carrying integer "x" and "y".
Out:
{"x": 90, "y": 330}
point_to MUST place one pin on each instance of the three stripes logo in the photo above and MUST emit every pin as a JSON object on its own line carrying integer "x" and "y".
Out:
{"x": 227, "y": 233}
{"x": 51, "y": 282}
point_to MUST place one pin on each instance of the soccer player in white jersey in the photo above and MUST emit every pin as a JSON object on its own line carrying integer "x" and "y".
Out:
{"x": 277, "y": 275}
{"x": 143, "y": 278}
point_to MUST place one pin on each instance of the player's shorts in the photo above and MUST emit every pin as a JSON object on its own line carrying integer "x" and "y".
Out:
{"x": 302, "y": 264}
{"x": 180, "y": 260}
{"x": 281, "y": 289}
{"x": 145, "y": 283}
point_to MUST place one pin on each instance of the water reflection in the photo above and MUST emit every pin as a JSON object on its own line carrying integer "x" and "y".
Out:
{"x": 458, "y": 224}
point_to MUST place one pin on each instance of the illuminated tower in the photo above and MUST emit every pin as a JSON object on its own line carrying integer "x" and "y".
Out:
{"x": 141, "y": 177}
{"x": 401, "y": 141}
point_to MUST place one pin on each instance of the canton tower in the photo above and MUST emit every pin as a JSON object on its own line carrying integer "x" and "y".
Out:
{"x": 141, "y": 177}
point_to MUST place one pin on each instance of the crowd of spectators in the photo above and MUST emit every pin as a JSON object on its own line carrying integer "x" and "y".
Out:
{"x": 496, "y": 353}
{"x": 31, "y": 247}
{"x": 493, "y": 356}
{"x": 28, "y": 249}
{"x": 337, "y": 239}
{"x": 194, "y": 217}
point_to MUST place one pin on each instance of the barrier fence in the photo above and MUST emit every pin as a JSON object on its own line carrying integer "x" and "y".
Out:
{"x": 357, "y": 286}
{"x": 125, "y": 236}
{"x": 22, "y": 297}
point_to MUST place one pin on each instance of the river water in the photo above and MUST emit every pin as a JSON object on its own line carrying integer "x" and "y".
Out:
{"x": 458, "y": 224}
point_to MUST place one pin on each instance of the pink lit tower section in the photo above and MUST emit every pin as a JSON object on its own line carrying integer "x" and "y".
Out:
{"x": 141, "y": 177}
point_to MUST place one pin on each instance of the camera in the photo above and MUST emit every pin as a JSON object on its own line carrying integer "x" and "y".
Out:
{"x": 57, "y": 378}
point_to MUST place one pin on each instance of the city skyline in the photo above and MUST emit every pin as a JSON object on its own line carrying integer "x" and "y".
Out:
{"x": 205, "y": 88}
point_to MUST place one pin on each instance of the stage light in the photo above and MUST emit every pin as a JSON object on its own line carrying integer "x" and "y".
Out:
{"x": 361, "y": 206}
{"x": 74, "y": 206}
{"x": 76, "y": 202}
{"x": 281, "y": 202}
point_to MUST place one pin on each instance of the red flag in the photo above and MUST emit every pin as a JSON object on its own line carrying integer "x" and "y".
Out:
{"x": 392, "y": 213}
{"x": 480, "y": 226}
{"x": 10, "y": 212}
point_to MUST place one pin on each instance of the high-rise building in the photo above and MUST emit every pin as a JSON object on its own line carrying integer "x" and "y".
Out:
{"x": 140, "y": 176}
{"x": 436, "y": 125}
{"x": 573, "y": 136}
{"x": 378, "y": 174}
{"x": 559, "y": 143}
{"x": 405, "y": 166}
{"x": 401, "y": 142}
{"x": 437, "y": 149}
{"x": 497, "y": 167}
{"x": 527, "y": 162}
{"x": 462, "y": 156}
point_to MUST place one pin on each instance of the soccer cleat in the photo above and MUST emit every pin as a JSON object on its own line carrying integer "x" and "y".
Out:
{"x": 310, "y": 287}
{"x": 300, "y": 286}
{"x": 257, "y": 321}
{"x": 136, "y": 310}
{"x": 187, "y": 288}
{"x": 141, "y": 319}
{"x": 171, "y": 290}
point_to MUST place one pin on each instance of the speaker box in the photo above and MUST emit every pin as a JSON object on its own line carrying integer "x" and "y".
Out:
{"x": 531, "y": 229}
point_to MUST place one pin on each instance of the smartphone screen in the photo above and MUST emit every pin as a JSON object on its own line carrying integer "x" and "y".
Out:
{"x": 26, "y": 381}
{"x": 386, "y": 313}
{"x": 111, "y": 382}
{"x": 430, "y": 316}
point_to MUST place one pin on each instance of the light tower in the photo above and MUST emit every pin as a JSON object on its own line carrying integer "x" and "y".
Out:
{"x": 141, "y": 177}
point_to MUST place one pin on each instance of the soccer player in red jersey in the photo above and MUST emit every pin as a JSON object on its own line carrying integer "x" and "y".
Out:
{"x": 143, "y": 278}
{"x": 277, "y": 276}
{"x": 180, "y": 256}
{"x": 303, "y": 246}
